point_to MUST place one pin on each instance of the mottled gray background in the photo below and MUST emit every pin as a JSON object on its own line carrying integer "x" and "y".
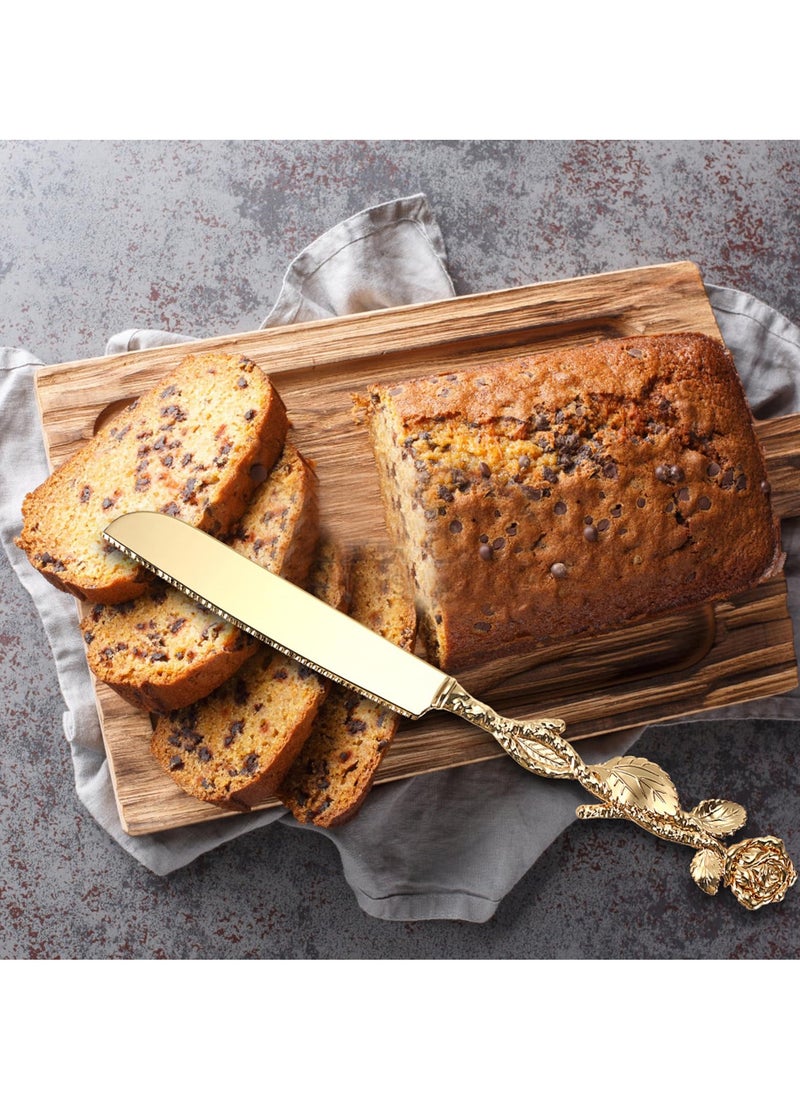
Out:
{"x": 195, "y": 237}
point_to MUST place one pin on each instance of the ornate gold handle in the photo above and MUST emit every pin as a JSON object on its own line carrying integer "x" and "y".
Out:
{"x": 757, "y": 870}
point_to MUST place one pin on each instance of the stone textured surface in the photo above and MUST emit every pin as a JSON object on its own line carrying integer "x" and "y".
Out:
{"x": 195, "y": 237}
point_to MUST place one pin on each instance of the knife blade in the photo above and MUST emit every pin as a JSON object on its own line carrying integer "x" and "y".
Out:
{"x": 278, "y": 612}
{"x": 301, "y": 626}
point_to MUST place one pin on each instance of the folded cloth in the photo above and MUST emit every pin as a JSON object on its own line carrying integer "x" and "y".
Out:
{"x": 447, "y": 845}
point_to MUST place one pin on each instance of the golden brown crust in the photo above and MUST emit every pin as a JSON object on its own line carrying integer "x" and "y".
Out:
{"x": 234, "y": 747}
{"x": 162, "y": 651}
{"x": 570, "y": 492}
{"x": 337, "y": 766}
{"x": 190, "y": 446}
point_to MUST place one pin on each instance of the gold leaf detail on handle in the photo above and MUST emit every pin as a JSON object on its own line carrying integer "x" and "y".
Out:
{"x": 719, "y": 816}
{"x": 537, "y": 756}
{"x": 707, "y": 868}
{"x": 635, "y": 781}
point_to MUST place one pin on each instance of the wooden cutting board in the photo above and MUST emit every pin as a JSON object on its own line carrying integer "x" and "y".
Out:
{"x": 736, "y": 651}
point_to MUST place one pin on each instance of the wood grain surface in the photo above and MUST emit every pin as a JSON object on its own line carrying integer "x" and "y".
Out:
{"x": 738, "y": 650}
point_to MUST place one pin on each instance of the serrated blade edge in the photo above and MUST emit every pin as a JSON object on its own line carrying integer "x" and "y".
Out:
{"x": 277, "y": 612}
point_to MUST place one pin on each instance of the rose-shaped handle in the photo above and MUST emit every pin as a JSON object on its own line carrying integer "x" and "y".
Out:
{"x": 758, "y": 871}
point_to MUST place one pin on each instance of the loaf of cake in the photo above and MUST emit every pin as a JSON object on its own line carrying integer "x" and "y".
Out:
{"x": 162, "y": 650}
{"x": 194, "y": 446}
{"x": 234, "y": 747}
{"x": 336, "y": 767}
{"x": 568, "y": 493}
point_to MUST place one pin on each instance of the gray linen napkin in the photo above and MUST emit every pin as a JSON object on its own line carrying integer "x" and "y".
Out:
{"x": 448, "y": 845}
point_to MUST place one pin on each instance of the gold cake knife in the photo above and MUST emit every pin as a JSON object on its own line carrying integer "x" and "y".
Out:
{"x": 757, "y": 870}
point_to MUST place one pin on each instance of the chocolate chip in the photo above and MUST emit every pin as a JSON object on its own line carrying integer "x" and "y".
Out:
{"x": 258, "y": 473}
{"x": 713, "y": 469}
{"x": 498, "y": 543}
{"x": 641, "y": 503}
{"x": 590, "y": 533}
{"x": 485, "y": 470}
{"x": 524, "y": 462}
{"x": 560, "y": 508}
{"x": 704, "y": 503}
{"x": 558, "y": 570}
{"x": 669, "y": 473}
{"x": 741, "y": 483}
{"x": 175, "y": 762}
{"x": 486, "y": 552}
{"x": 602, "y": 525}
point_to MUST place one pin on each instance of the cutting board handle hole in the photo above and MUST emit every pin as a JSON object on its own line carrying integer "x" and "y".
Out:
{"x": 110, "y": 412}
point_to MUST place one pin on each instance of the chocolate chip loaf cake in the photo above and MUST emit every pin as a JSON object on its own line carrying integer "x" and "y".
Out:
{"x": 234, "y": 747}
{"x": 570, "y": 492}
{"x": 337, "y": 765}
{"x": 162, "y": 650}
{"x": 189, "y": 447}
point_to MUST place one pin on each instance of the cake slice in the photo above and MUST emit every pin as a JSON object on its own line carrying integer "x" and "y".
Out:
{"x": 195, "y": 446}
{"x": 233, "y": 747}
{"x": 568, "y": 493}
{"x": 164, "y": 651}
{"x": 336, "y": 768}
